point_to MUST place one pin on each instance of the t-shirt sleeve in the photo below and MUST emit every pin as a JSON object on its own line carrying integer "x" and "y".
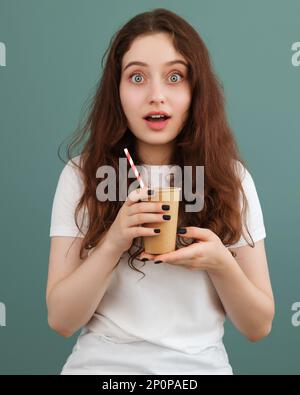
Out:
{"x": 67, "y": 195}
{"x": 254, "y": 215}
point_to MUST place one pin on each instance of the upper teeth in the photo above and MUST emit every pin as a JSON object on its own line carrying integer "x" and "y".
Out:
{"x": 157, "y": 116}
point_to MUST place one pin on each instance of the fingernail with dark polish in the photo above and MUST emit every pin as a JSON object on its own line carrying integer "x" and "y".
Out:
{"x": 181, "y": 231}
{"x": 157, "y": 230}
{"x": 150, "y": 192}
{"x": 165, "y": 207}
{"x": 157, "y": 261}
{"x": 144, "y": 259}
{"x": 165, "y": 216}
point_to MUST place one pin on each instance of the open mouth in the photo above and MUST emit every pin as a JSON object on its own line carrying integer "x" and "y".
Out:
{"x": 159, "y": 118}
{"x": 157, "y": 123}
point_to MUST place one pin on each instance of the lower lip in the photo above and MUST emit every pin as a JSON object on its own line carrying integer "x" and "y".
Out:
{"x": 157, "y": 125}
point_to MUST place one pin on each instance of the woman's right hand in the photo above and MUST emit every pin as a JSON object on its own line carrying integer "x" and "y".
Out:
{"x": 128, "y": 222}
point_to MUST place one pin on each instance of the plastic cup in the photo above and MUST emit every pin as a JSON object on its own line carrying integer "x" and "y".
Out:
{"x": 165, "y": 241}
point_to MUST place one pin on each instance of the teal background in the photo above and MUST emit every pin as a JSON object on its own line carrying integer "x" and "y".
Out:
{"x": 54, "y": 49}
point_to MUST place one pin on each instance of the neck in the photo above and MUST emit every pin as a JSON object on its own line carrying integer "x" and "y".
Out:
{"x": 155, "y": 154}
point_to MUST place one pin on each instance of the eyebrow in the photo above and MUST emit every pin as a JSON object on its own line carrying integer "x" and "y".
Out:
{"x": 137, "y": 63}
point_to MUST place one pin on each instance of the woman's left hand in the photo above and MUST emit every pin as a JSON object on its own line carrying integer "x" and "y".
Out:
{"x": 206, "y": 253}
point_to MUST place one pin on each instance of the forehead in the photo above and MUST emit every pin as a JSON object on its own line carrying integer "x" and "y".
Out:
{"x": 155, "y": 50}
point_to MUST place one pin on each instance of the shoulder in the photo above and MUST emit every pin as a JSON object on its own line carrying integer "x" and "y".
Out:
{"x": 71, "y": 170}
{"x": 68, "y": 192}
{"x": 246, "y": 178}
{"x": 242, "y": 172}
{"x": 248, "y": 184}
{"x": 254, "y": 216}
{"x": 73, "y": 164}
{"x": 70, "y": 183}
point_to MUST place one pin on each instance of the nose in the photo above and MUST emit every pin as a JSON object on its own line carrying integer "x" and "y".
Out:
{"x": 156, "y": 92}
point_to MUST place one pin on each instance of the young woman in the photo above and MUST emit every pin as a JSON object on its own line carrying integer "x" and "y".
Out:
{"x": 171, "y": 320}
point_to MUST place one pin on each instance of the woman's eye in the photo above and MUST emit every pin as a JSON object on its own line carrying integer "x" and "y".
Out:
{"x": 172, "y": 76}
{"x": 136, "y": 77}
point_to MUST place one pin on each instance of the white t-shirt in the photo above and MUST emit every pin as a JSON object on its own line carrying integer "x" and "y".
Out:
{"x": 171, "y": 308}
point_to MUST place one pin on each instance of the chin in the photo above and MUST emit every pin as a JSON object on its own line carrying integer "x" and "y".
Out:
{"x": 159, "y": 139}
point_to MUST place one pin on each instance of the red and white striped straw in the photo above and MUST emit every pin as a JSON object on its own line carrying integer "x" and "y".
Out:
{"x": 136, "y": 173}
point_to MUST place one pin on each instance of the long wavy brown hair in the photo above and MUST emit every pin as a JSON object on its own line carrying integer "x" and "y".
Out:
{"x": 205, "y": 139}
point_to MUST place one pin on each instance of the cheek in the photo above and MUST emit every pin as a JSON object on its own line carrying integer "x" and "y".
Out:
{"x": 183, "y": 101}
{"x": 130, "y": 100}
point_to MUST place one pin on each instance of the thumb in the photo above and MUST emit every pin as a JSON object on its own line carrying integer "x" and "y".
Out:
{"x": 194, "y": 232}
